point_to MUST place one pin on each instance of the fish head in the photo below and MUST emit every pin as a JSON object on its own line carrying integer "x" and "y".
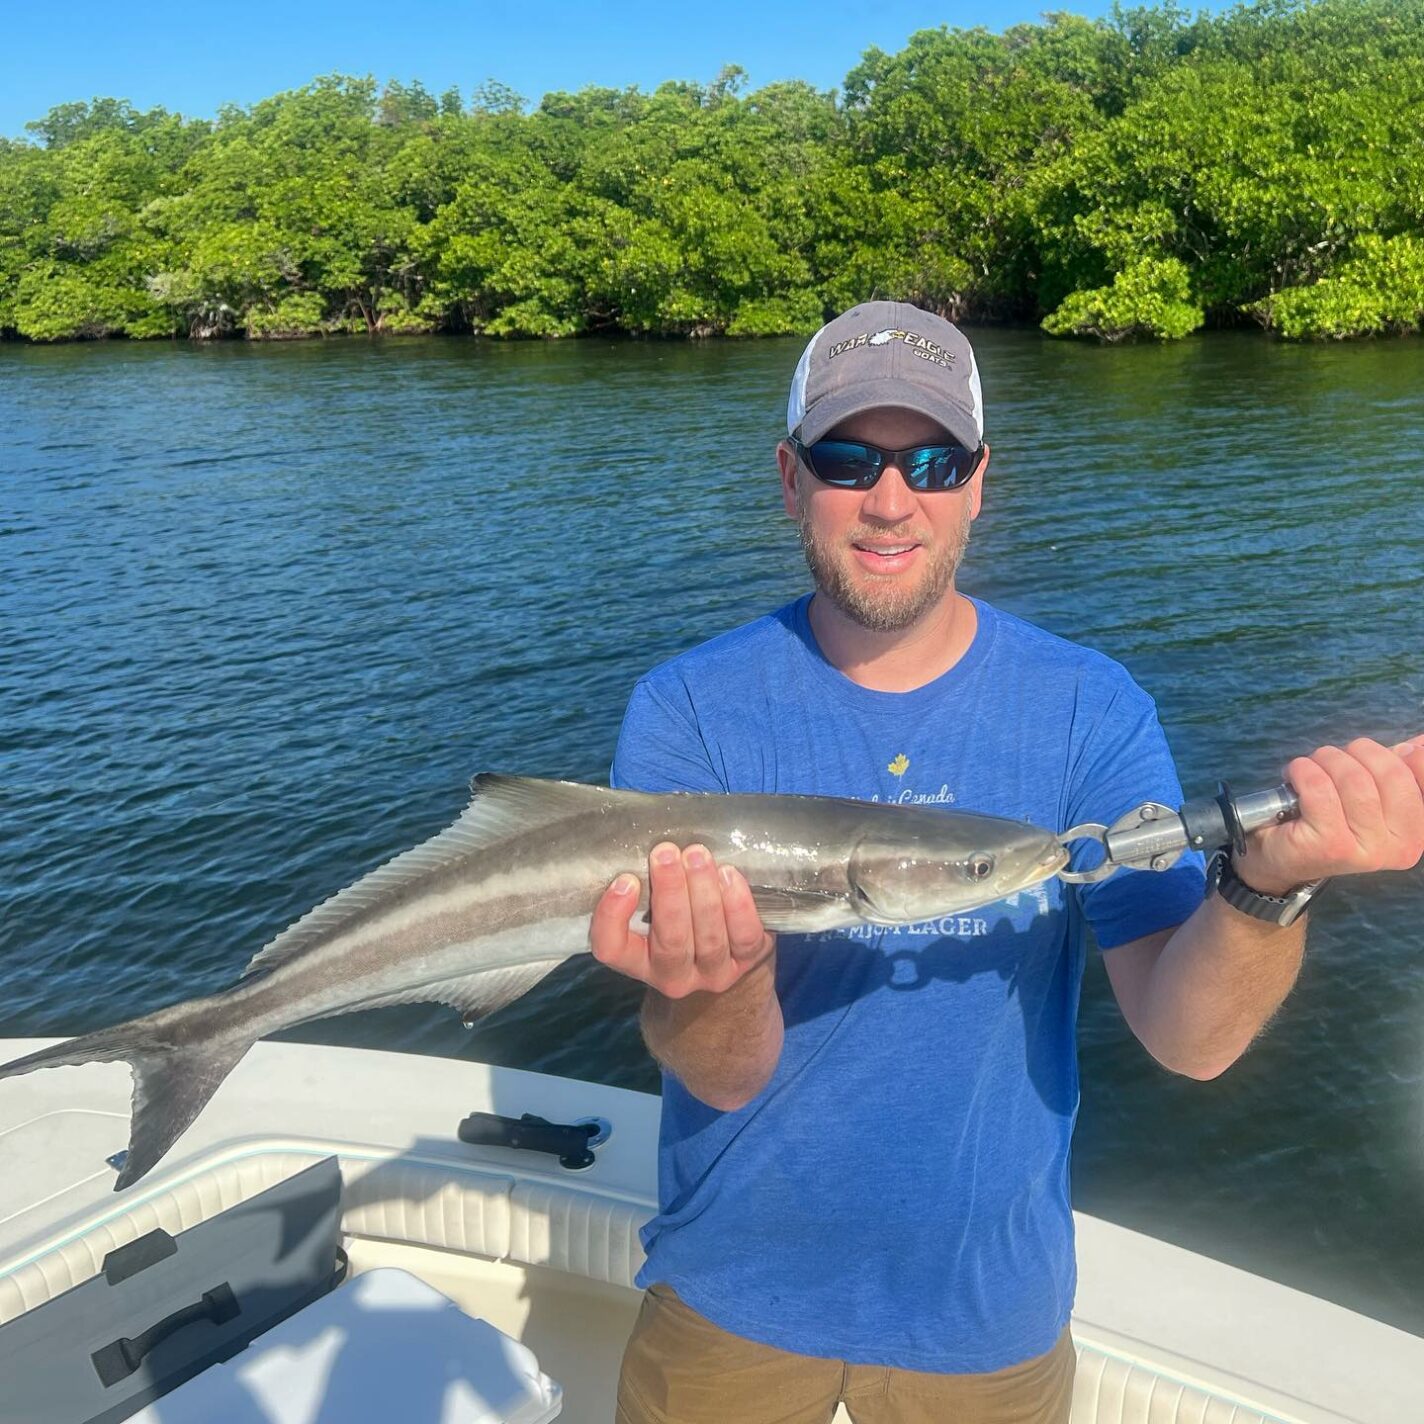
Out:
{"x": 901, "y": 875}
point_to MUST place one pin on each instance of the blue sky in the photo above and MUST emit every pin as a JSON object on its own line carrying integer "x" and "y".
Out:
{"x": 194, "y": 56}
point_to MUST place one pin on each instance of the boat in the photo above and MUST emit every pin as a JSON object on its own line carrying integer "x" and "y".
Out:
{"x": 542, "y": 1246}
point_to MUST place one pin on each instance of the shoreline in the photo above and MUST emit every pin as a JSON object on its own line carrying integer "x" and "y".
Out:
{"x": 620, "y": 334}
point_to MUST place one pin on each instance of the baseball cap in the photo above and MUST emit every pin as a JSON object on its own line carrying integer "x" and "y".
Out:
{"x": 886, "y": 354}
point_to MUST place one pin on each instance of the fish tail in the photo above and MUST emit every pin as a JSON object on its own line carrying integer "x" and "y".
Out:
{"x": 177, "y": 1061}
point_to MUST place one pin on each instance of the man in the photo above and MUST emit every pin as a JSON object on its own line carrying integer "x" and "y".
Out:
{"x": 865, "y": 1137}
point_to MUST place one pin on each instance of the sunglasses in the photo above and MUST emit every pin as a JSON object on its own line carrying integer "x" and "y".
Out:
{"x": 852, "y": 464}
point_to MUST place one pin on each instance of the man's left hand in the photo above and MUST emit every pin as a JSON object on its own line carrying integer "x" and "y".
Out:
{"x": 1361, "y": 809}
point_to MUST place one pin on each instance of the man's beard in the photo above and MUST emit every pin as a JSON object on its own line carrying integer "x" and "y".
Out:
{"x": 881, "y": 605}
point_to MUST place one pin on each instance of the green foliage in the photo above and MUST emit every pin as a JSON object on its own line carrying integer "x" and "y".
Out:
{"x": 56, "y": 302}
{"x": 1138, "y": 176}
{"x": 1149, "y": 298}
{"x": 796, "y": 314}
{"x": 301, "y": 314}
{"x": 1380, "y": 289}
{"x": 69, "y": 123}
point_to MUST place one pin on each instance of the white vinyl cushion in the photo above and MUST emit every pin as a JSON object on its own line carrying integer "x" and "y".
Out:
{"x": 1109, "y": 1390}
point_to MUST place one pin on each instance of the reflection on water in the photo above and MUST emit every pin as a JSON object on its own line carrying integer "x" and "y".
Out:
{"x": 266, "y": 609}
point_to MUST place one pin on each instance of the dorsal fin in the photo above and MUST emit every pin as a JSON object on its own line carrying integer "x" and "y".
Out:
{"x": 525, "y": 801}
{"x": 503, "y": 806}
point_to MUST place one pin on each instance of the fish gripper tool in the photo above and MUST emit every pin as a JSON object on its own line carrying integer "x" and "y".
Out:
{"x": 1155, "y": 837}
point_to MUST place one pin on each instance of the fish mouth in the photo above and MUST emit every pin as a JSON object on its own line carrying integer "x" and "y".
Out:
{"x": 1034, "y": 870}
{"x": 1052, "y": 861}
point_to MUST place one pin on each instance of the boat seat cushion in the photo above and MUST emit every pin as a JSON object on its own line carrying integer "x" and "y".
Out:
{"x": 403, "y": 1199}
{"x": 1111, "y": 1390}
{"x": 586, "y": 1234}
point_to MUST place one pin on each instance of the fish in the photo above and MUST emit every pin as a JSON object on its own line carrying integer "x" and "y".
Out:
{"x": 477, "y": 915}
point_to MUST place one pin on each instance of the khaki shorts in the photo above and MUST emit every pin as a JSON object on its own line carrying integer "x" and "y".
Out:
{"x": 679, "y": 1368}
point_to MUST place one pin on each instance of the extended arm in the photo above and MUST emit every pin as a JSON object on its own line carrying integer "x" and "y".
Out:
{"x": 1197, "y": 995}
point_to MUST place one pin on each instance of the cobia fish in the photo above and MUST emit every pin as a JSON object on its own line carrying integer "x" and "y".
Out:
{"x": 481, "y": 912}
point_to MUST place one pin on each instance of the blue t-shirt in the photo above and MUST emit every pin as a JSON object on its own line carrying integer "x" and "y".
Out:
{"x": 898, "y": 1193}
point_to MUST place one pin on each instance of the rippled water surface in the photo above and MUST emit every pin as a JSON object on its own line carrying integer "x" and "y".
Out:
{"x": 263, "y": 611}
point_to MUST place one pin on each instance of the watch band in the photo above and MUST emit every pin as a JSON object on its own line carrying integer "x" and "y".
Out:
{"x": 1273, "y": 909}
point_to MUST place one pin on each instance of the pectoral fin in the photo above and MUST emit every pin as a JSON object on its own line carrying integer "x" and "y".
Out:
{"x": 475, "y": 996}
{"x": 801, "y": 911}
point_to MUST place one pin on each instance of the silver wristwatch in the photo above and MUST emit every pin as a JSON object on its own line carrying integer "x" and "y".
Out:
{"x": 1274, "y": 909}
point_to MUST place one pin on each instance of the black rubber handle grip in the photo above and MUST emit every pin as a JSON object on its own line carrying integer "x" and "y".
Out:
{"x": 566, "y": 1141}
{"x": 120, "y": 1358}
{"x": 1208, "y": 823}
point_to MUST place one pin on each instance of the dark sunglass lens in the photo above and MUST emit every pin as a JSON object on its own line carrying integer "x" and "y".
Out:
{"x": 939, "y": 467}
{"x": 845, "y": 462}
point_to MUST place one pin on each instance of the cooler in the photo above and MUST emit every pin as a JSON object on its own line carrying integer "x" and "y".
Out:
{"x": 384, "y": 1347}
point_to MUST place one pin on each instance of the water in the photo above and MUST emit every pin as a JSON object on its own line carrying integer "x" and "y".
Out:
{"x": 264, "y": 610}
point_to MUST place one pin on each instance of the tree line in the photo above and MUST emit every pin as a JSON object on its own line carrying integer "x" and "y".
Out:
{"x": 1143, "y": 175}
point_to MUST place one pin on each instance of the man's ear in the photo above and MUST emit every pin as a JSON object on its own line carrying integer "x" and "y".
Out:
{"x": 976, "y": 485}
{"x": 787, "y": 462}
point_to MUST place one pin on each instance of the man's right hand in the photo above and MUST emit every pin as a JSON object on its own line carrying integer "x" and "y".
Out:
{"x": 704, "y": 932}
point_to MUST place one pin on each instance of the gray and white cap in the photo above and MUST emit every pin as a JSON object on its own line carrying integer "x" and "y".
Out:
{"x": 886, "y": 354}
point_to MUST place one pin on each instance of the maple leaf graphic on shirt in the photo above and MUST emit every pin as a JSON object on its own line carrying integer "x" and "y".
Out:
{"x": 899, "y": 766}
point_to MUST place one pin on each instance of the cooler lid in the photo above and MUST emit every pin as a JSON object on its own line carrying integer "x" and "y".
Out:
{"x": 385, "y": 1346}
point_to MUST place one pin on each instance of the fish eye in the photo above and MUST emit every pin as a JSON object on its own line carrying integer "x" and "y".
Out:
{"x": 981, "y": 865}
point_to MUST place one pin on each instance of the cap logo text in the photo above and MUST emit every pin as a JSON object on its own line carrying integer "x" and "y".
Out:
{"x": 922, "y": 346}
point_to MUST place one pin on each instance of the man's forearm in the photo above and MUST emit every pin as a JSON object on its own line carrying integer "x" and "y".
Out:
{"x": 1215, "y": 985}
{"x": 722, "y": 1047}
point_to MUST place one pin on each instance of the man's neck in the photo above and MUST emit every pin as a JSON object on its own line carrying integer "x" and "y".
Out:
{"x": 900, "y": 661}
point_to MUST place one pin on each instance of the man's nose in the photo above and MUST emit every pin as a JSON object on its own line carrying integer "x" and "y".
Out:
{"x": 889, "y": 499}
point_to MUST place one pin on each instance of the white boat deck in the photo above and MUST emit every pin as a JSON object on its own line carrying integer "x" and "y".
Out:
{"x": 549, "y": 1255}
